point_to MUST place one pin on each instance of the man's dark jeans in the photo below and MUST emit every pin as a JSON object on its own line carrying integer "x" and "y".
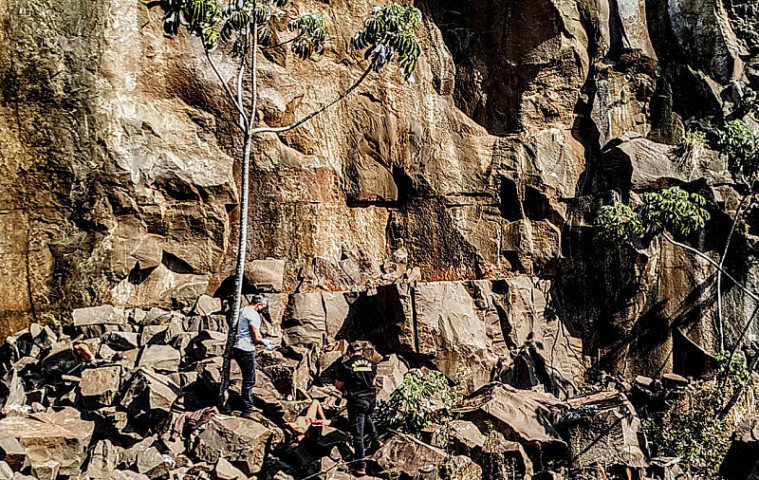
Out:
{"x": 247, "y": 363}
{"x": 360, "y": 408}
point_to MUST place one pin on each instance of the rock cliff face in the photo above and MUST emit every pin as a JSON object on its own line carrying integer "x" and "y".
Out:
{"x": 119, "y": 175}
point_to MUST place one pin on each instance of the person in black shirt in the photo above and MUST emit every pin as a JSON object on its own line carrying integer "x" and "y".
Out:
{"x": 355, "y": 378}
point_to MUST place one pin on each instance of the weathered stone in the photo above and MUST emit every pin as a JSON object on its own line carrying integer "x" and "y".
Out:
{"x": 49, "y": 438}
{"x": 390, "y": 374}
{"x": 103, "y": 460}
{"x": 604, "y": 429}
{"x": 122, "y": 340}
{"x": 162, "y": 358}
{"x": 6, "y": 472}
{"x": 209, "y": 343}
{"x": 226, "y": 471}
{"x": 238, "y": 440}
{"x": 304, "y": 322}
{"x": 206, "y": 305}
{"x": 265, "y": 275}
{"x": 13, "y": 452}
{"x": 153, "y": 335}
{"x": 148, "y": 394}
{"x": 521, "y": 416}
{"x": 152, "y": 463}
{"x": 47, "y": 470}
{"x": 673, "y": 380}
{"x": 99, "y": 386}
{"x": 744, "y": 451}
{"x": 102, "y": 315}
{"x": 403, "y": 454}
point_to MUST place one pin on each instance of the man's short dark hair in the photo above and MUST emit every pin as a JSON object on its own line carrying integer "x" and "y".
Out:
{"x": 259, "y": 298}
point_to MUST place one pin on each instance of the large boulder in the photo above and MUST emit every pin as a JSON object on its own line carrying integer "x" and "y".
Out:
{"x": 148, "y": 395}
{"x": 238, "y": 439}
{"x": 99, "y": 386}
{"x": 743, "y": 455}
{"x": 604, "y": 429}
{"x": 52, "y": 440}
{"x": 407, "y": 455}
{"x": 521, "y": 416}
{"x": 265, "y": 275}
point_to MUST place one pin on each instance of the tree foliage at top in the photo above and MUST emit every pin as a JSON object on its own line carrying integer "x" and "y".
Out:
{"x": 673, "y": 210}
{"x": 213, "y": 23}
{"x": 741, "y": 144}
{"x": 389, "y": 33}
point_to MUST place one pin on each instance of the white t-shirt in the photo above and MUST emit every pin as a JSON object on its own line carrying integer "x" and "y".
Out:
{"x": 248, "y": 316}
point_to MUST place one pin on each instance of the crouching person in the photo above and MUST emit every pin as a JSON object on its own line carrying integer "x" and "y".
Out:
{"x": 355, "y": 378}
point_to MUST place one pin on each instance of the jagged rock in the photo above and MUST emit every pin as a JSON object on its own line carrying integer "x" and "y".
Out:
{"x": 122, "y": 340}
{"x": 103, "y": 460}
{"x": 390, "y": 374}
{"x": 13, "y": 452}
{"x": 521, "y": 416}
{"x": 60, "y": 360}
{"x": 107, "y": 316}
{"x": 99, "y": 386}
{"x": 6, "y": 472}
{"x": 605, "y": 429}
{"x": 206, "y": 305}
{"x": 55, "y": 442}
{"x": 15, "y": 386}
{"x": 403, "y": 454}
{"x": 148, "y": 394}
{"x": 673, "y": 380}
{"x": 152, "y": 463}
{"x": 446, "y": 328}
{"x": 226, "y": 471}
{"x": 238, "y": 440}
{"x": 162, "y": 358}
{"x": 154, "y": 335}
{"x": 47, "y": 470}
{"x": 305, "y": 322}
{"x": 265, "y": 275}
{"x": 209, "y": 343}
{"x": 667, "y": 468}
{"x": 744, "y": 451}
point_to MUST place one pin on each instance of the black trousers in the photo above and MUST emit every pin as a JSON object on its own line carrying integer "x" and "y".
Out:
{"x": 247, "y": 362}
{"x": 360, "y": 408}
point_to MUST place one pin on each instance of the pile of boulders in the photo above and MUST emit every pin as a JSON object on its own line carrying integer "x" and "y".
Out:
{"x": 100, "y": 398}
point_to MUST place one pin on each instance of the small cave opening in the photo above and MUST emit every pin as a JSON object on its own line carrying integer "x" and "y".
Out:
{"x": 511, "y": 204}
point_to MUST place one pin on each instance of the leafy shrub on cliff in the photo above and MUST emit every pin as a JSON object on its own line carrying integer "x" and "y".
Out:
{"x": 416, "y": 401}
{"x": 671, "y": 210}
{"x": 740, "y": 143}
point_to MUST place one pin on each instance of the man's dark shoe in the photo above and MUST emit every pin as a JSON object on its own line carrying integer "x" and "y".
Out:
{"x": 357, "y": 472}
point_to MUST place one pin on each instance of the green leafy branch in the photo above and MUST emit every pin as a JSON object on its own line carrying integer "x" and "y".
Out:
{"x": 415, "y": 400}
{"x": 387, "y": 32}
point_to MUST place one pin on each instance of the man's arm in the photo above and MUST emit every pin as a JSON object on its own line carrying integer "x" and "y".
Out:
{"x": 256, "y": 335}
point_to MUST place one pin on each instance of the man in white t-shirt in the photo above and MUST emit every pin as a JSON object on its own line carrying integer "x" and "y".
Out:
{"x": 244, "y": 351}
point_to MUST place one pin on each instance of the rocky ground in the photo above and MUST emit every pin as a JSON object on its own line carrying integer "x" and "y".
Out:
{"x": 98, "y": 399}
{"x": 448, "y": 222}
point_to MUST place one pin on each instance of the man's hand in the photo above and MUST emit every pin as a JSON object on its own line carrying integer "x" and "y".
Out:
{"x": 268, "y": 344}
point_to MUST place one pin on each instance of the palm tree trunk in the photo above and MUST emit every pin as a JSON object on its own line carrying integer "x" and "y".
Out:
{"x": 242, "y": 238}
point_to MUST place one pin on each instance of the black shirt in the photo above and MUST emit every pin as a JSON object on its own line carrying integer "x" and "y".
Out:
{"x": 357, "y": 373}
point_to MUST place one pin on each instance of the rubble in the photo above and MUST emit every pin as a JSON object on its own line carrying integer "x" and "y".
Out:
{"x": 129, "y": 374}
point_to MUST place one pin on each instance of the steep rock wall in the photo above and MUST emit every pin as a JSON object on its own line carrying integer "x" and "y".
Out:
{"x": 119, "y": 165}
